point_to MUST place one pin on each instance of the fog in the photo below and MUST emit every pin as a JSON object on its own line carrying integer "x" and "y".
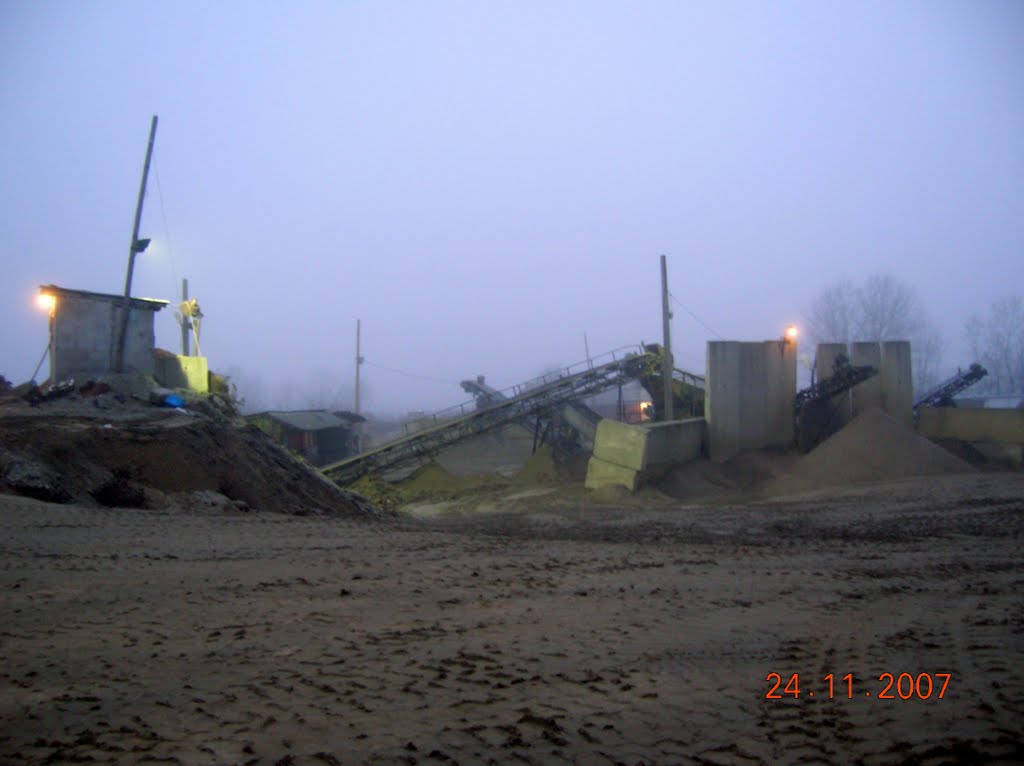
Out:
{"x": 483, "y": 183}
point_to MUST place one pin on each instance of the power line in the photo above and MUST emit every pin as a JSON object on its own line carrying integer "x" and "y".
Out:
{"x": 411, "y": 374}
{"x": 167, "y": 229}
{"x": 700, "y": 321}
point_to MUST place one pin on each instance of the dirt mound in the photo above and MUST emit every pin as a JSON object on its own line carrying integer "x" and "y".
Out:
{"x": 155, "y": 459}
{"x": 704, "y": 480}
{"x": 539, "y": 467}
{"x": 872, "y": 447}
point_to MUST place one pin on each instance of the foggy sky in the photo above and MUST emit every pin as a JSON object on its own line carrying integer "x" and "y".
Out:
{"x": 482, "y": 183}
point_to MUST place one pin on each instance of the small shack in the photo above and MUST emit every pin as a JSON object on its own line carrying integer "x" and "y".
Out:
{"x": 84, "y": 328}
{"x": 320, "y": 436}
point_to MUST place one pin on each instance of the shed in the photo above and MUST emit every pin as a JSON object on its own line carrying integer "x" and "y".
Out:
{"x": 320, "y": 436}
{"x": 84, "y": 329}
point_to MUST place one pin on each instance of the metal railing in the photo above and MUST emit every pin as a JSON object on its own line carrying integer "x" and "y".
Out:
{"x": 454, "y": 424}
{"x": 519, "y": 389}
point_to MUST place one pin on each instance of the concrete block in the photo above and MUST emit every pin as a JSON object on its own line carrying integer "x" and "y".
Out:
{"x": 972, "y": 425}
{"x": 868, "y": 394}
{"x": 189, "y": 372}
{"x": 748, "y": 402}
{"x": 722, "y": 399}
{"x": 629, "y": 455}
{"x": 897, "y": 380}
{"x": 603, "y": 474}
{"x": 621, "y": 444}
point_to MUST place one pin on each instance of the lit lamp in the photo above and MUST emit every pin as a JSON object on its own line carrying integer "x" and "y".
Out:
{"x": 47, "y": 302}
{"x": 791, "y": 333}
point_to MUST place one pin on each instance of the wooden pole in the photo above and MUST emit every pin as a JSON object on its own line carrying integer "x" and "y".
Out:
{"x": 359, "y": 363}
{"x": 132, "y": 250}
{"x": 185, "y": 321}
{"x": 666, "y": 362}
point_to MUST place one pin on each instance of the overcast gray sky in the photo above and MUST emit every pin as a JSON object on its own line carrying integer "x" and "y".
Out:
{"x": 482, "y": 183}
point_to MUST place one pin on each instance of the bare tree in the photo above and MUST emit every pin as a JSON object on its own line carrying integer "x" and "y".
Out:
{"x": 833, "y": 313}
{"x": 926, "y": 356}
{"x": 997, "y": 341}
{"x": 880, "y": 308}
{"x": 888, "y": 309}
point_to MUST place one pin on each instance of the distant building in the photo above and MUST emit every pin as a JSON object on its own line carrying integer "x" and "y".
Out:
{"x": 84, "y": 328}
{"x": 321, "y": 437}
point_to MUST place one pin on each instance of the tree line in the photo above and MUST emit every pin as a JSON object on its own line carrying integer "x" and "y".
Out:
{"x": 881, "y": 307}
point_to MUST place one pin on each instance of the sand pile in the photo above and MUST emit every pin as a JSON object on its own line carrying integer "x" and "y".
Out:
{"x": 540, "y": 467}
{"x": 872, "y": 447}
{"x": 430, "y": 481}
{"x": 431, "y": 478}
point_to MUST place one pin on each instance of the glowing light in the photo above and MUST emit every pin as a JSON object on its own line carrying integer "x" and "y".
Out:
{"x": 792, "y": 332}
{"x": 646, "y": 410}
{"x": 46, "y": 301}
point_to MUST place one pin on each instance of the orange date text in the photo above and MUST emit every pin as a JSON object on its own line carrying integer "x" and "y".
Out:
{"x": 890, "y": 686}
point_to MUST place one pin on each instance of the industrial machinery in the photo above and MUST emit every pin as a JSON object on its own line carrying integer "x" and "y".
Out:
{"x": 687, "y": 388}
{"x": 551, "y": 406}
{"x": 814, "y": 409}
{"x": 548, "y": 394}
{"x": 569, "y": 429}
{"x": 942, "y": 395}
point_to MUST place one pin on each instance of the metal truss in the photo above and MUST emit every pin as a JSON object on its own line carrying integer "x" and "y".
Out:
{"x": 524, "y": 402}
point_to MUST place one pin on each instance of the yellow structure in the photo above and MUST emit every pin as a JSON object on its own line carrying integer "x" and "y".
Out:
{"x": 629, "y": 455}
{"x": 188, "y": 372}
{"x": 972, "y": 425}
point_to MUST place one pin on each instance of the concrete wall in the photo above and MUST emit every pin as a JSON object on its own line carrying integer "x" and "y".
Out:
{"x": 868, "y": 394}
{"x": 972, "y": 425}
{"x": 748, "y": 403}
{"x": 824, "y": 361}
{"x": 629, "y": 455}
{"x": 674, "y": 442}
{"x": 176, "y": 371}
{"x": 83, "y": 339}
{"x": 897, "y": 380}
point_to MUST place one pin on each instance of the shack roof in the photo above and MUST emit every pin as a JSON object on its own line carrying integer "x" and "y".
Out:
{"x": 312, "y": 420}
{"x": 150, "y": 304}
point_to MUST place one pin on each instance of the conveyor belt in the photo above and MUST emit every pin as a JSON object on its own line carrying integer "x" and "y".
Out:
{"x": 460, "y": 423}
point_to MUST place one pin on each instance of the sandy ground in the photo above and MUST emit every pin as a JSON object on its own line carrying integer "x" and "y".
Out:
{"x": 550, "y": 633}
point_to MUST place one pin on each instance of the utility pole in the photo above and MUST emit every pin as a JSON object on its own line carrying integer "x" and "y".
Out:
{"x": 137, "y": 246}
{"x": 666, "y": 362}
{"x": 186, "y": 322}
{"x": 359, "y": 363}
{"x": 586, "y": 347}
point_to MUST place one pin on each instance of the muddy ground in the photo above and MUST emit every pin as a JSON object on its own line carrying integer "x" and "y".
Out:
{"x": 553, "y": 631}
